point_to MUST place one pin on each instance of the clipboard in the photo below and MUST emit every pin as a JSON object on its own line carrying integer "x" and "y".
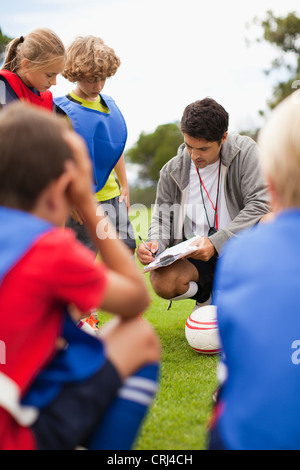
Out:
{"x": 170, "y": 255}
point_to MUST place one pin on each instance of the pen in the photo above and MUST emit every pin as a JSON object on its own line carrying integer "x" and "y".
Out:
{"x": 146, "y": 246}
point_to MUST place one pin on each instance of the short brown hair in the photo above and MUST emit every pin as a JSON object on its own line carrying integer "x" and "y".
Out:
{"x": 205, "y": 119}
{"x": 32, "y": 153}
{"x": 89, "y": 58}
{"x": 41, "y": 47}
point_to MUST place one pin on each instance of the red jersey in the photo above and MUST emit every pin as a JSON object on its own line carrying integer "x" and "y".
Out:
{"x": 45, "y": 99}
{"x": 56, "y": 271}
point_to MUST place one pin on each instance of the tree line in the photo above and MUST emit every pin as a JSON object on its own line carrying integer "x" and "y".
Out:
{"x": 153, "y": 150}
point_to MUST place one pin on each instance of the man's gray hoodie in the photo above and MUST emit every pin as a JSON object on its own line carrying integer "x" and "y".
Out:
{"x": 245, "y": 193}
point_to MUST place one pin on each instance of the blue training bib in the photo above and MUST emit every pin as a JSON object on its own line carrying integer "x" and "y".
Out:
{"x": 105, "y": 134}
{"x": 19, "y": 230}
{"x": 84, "y": 354}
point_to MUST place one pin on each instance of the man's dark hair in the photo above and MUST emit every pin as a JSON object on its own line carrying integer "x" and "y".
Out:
{"x": 32, "y": 153}
{"x": 205, "y": 119}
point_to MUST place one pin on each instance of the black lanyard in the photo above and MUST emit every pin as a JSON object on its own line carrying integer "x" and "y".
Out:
{"x": 213, "y": 229}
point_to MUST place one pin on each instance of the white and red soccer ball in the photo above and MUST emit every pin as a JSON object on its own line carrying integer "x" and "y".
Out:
{"x": 201, "y": 330}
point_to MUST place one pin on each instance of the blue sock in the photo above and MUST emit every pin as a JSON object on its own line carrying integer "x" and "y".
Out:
{"x": 122, "y": 420}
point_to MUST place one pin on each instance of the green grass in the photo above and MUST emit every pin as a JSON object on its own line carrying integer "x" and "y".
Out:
{"x": 179, "y": 416}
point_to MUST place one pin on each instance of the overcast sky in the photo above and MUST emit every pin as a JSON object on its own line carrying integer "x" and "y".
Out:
{"x": 172, "y": 52}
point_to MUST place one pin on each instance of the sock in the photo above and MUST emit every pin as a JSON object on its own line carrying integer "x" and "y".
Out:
{"x": 203, "y": 303}
{"x": 202, "y": 295}
{"x": 122, "y": 420}
{"x": 192, "y": 290}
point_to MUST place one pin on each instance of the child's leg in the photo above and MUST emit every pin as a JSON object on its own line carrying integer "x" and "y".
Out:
{"x": 118, "y": 215}
{"x": 70, "y": 419}
{"x": 122, "y": 420}
{"x": 76, "y": 415}
{"x": 129, "y": 345}
{"x": 81, "y": 234}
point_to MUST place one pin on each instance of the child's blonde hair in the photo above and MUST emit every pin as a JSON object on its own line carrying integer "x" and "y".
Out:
{"x": 88, "y": 58}
{"x": 279, "y": 143}
{"x": 42, "y": 47}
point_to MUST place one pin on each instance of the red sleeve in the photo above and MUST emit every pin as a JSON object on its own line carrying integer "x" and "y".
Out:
{"x": 74, "y": 276}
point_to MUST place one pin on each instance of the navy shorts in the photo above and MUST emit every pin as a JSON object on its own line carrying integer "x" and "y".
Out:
{"x": 214, "y": 440}
{"x": 70, "y": 420}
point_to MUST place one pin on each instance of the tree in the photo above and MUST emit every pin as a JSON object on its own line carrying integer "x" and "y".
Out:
{"x": 284, "y": 33}
{"x": 152, "y": 151}
{"x": 4, "y": 40}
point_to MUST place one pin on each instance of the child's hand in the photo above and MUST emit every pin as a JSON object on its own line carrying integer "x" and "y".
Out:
{"x": 80, "y": 187}
{"x": 124, "y": 196}
{"x": 76, "y": 216}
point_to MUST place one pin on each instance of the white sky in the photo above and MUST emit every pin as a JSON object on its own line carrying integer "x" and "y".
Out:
{"x": 172, "y": 52}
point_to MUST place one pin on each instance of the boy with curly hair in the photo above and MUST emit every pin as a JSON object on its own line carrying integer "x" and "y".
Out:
{"x": 99, "y": 121}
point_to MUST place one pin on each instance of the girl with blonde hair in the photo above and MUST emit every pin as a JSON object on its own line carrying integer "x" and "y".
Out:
{"x": 31, "y": 66}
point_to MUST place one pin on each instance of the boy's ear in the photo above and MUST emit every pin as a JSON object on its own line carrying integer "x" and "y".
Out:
{"x": 53, "y": 204}
{"x": 57, "y": 190}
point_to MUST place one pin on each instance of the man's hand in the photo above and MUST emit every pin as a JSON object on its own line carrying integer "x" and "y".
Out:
{"x": 144, "y": 255}
{"x": 205, "y": 251}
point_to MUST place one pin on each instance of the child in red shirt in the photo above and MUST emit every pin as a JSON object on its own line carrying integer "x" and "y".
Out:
{"x": 60, "y": 387}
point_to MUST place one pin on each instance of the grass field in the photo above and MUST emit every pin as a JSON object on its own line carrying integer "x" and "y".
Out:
{"x": 179, "y": 416}
{"x": 180, "y": 413}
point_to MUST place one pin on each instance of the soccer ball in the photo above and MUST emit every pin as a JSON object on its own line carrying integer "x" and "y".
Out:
{"x": 201, "y": 330}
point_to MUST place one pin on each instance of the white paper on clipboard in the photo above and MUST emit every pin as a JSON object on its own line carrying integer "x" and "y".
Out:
{"x": 170, "y": 255}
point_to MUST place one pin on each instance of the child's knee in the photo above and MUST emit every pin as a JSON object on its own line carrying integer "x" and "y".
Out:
{"x": 151, "y": 341}
{"x": 132, "y": 344}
